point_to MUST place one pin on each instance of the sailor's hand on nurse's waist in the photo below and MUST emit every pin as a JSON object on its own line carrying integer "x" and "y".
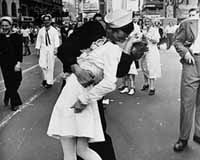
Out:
{"x": 189, "y": 58}
{"x": 84, "y": 77}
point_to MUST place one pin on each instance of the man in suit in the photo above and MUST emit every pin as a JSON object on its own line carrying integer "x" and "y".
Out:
{"x": 187, "y": 40}
{"x": 81, "y": 39}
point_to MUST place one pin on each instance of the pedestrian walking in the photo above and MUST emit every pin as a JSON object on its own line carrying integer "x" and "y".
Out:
{"x": 46, "y": 47}
{"x": 187, "y": 41}
{"x": 169, "y": 30}
{"x": 25, "y": 31}
{"x": 150, "y": 63}
{"x": 10, "y": 62}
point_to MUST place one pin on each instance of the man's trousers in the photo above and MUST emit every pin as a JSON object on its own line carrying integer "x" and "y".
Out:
{"x": 190, "y": 99}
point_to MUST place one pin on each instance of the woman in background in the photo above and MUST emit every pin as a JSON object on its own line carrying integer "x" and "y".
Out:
{"x": 150, "y": 63}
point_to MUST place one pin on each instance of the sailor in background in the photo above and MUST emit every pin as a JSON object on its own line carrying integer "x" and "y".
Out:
{"x": 46, "y": 47}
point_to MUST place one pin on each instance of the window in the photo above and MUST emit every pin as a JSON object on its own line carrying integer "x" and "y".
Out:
{"x": 13, "y": 9}
{"x": 4, "y": 8}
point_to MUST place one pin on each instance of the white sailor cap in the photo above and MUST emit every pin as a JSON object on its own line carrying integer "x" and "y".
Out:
{"x": 6, "y": 18}
{"x": 118, "y": 18}
{"x": 46, "y": 15}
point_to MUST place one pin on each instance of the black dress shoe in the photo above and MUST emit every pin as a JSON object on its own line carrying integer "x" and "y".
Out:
{"x": 180, "y": 145}
{"x": 44, "y": 82}
{"x": 152, "y": 92}
{"x": 47, "y": 86}
{"x": 145, "y": 87}
{"x": 196, "y": 139}
{"x": 14, "y": 108}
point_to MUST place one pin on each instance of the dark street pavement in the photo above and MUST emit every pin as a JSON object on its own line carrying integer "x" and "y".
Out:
{"x": 142, "y": 127}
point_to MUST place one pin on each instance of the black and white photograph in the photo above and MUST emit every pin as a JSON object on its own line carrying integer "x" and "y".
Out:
{"x": 99, "y": 79}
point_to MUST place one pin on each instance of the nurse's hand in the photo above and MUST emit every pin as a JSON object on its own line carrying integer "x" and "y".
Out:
{"x": 84, "y": 77}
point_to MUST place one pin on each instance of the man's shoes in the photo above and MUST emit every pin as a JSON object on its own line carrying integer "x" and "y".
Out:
{"x": 47, "y": 86}
{"x": 196, "y": 139}
{"x": 152, "y": 92}
{"x": 145, "y": 87}
{"x": 180, "y": 145}
{"x": 14, "y": 108}
{"x": 44, "y": 83}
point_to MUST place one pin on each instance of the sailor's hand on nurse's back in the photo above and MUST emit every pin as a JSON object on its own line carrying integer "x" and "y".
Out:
{"x": 84, "y": 77}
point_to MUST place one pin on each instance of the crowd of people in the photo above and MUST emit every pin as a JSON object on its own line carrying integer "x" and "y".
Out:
{"x": 95, "y": 54}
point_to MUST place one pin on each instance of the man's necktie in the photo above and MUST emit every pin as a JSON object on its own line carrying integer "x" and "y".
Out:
{"x": 47, "y": 38}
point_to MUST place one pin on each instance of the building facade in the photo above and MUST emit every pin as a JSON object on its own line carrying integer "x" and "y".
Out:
{"x": 34, "y": 9}
{"x": 84, "y": 8}
{"x": 153, "y": 8}
{"x": 9, "y": 8}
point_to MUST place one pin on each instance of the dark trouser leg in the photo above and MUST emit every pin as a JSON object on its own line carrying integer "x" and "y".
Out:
{"x": 63, "y": 84}
{"x": 189, "y": 87}
{"x": 12, "y": 82}
{"x": 6, "y": 98}
{"x": 27, "y": 49}
{"x": 15, "y": 97}
{"x": 6, "y": 73}
{"x": 197, "y": 112}
{"x": 170, "y": 40}
{"x": 197, "y": 115}
{"x": 104, "y": 149}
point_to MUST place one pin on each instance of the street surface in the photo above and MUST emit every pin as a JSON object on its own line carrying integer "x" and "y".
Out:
{"x": 142, "y": 127}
